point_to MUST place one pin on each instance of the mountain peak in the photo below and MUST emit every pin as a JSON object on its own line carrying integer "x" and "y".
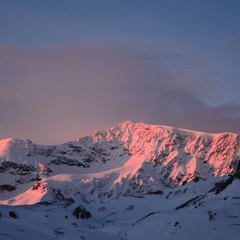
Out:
{"x": 127, "y": 160}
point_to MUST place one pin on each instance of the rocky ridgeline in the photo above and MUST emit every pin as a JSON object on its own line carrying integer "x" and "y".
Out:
{"x": 138, "y": 158}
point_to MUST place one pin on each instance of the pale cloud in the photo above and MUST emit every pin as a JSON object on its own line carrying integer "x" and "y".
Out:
{"x": 59, "y": 93}
{"x": 231, "y": 39}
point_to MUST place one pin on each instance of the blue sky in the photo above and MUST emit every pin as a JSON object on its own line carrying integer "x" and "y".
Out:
{"x": 68, "y": 68}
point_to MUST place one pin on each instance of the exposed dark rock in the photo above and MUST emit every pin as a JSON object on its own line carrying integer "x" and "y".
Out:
{"x": 129, "y": 208}
{"x": 13, "y": 214}
{"x": 7, "y": 187}
{"x": 190, "y": 202}
{"x": 9, "y": 164}
{"x": 158, "y": 192}
{"x": 81, "y": 212}
{"x": 211, "y": 215}
{"x": 66, "y": 161}
{"x": 40, "y": 186}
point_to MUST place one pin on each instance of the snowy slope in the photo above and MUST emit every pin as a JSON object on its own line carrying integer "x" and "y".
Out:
{"x": 210, "y": 217}
{"x": 137, "y": 181}
{"x": 130, "y": 159}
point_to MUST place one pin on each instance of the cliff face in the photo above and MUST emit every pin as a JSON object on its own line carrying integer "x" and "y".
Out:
{"x": 130, "y": 159}
{"x": 167, "y": 157}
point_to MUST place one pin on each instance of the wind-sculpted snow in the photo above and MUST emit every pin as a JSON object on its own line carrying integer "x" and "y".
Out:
{"x": 130, "y": 159}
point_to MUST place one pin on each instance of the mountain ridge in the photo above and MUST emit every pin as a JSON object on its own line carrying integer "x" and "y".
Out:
{"x": 133, "y": 181}
{"x": 129, "y": 159}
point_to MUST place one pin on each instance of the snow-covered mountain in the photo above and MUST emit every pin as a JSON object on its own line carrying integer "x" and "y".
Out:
{"x": 145, "y": 172}
{"x": 130, "y": 159}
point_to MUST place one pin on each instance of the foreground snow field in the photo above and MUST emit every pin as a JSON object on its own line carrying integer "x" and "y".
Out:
{"x": 150, "y": 217}
{"x": 133, "y": 181}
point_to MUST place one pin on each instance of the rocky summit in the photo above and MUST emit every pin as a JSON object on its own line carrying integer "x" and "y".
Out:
{"x": 147, "y": 173}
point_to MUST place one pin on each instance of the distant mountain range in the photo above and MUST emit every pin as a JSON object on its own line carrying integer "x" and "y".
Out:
{"x": 157, "y": 169}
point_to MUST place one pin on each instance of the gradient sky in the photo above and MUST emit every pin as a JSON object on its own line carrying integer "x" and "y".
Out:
{"x": 68, "y": 68}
